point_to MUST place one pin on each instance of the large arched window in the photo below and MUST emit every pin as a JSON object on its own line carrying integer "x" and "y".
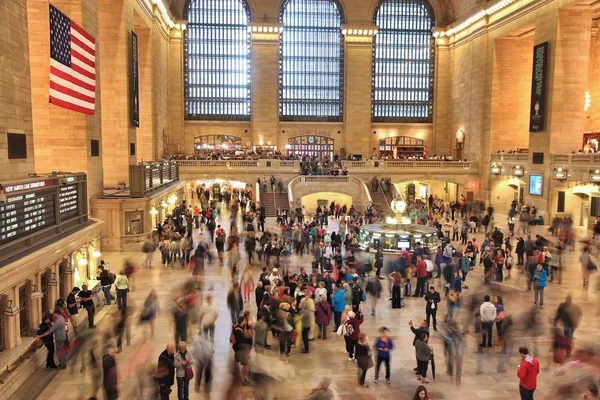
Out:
{"x": 311, "y": 61}
{"x": 217, "y": 60}
{"x": 403, "y": 62}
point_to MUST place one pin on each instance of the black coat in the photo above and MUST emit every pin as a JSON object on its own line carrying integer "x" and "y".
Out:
{"x": 166, "y": 362}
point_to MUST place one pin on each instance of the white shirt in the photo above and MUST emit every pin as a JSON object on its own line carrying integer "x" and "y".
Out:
{"x": 487, "y": 312}
{"x": 209, "y": 313}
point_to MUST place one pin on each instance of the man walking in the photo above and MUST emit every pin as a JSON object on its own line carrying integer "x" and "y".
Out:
{"x": 487, "y": 311}
{"x": 432, "y": 299}
{"x": 106, "y": 281}
{"x": 87, "y": 299}
{"x": 569, "y": 315}
{"x": 527, "y": 373}
{"x": 59, "y": 329}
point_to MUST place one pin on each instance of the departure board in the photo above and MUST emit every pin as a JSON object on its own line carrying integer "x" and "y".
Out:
{"x": 24, "y": 214}
{"x": 68, "y": 202}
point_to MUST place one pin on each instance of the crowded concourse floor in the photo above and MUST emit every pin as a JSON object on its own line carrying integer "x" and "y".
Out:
{"x": 327, "y": 357}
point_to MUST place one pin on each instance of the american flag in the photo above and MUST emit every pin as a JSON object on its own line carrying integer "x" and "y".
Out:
{"x": 72, "y": 65}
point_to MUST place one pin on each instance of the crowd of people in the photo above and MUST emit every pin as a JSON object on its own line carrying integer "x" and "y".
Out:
{"x": 294, "y": 306}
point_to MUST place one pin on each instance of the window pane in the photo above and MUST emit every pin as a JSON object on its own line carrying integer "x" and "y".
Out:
{"x": 217, "y": 60}
{"x": 311, "y": 61}
{"x": 403, "y": 62}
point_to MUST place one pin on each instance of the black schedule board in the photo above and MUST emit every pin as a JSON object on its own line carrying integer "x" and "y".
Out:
{"x": 27, "y": 213}
{"x": 68, "y": 202}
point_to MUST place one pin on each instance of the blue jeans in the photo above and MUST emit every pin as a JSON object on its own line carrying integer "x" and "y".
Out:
{"x": 183, "y": 389}
{"x": 539, "y": 295}
{"x": 107, "y": 295}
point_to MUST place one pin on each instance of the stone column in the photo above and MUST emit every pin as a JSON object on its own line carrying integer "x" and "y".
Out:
{"x": 11, "y": 322}
{"x": 145, "y": 140}
{"x": 358, "y": 88}
{"x": 443, "y": 137}
{"x": 176, "y": 133}
{"x": 53, "y": 292}
{"x": 35, "y": 304}
{"x": 69, "y": 279}
{"x": 59, "y": 131}
{"x": 265, "y": 85}
{"x": 568, "y": 32}
{"x": 115, "y": 26}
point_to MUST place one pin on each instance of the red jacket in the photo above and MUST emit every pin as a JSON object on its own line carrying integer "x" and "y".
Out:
{"x": 528, "y": 372}
{"x": 421, "y": 269}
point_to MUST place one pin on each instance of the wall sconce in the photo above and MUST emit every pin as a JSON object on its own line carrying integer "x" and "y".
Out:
{"x": 83, "y": 260}
{"x": 460, "y": 136}
{"x": 560, "y": 174}
{"x": 164, "y": 205}
{"x": 588, "y": 101}
{"x": 595, "y": 176}
{"x": 172, "y": 199}
{"x": 153, "y": 211}
{"x": 496, "y": 169}
{"x": 96, "y": 254}
{"x": 518, "y": 170}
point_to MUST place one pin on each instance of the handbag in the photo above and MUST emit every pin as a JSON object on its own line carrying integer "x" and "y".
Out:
{"x": 293, "y": 335}
{"x": 341, "y": 331}
{"x": 591, "y": 266}
{"x": 189, "y": 374}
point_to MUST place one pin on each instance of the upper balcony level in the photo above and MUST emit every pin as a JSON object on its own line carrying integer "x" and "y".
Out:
{"x": 188, "y": 168}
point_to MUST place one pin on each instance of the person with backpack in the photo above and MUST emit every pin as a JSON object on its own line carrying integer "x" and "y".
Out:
{"x": 106, "y": 280}
{"x": 240, "y": 349}
{"x": 358, "y": 295}
{"x": 352, "y": 328}
{"x": 220, "y": 243}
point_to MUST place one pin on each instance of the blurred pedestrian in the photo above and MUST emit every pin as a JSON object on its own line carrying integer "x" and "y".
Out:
{"x": 109, "y": 367}
{"x": 165, "y": 372}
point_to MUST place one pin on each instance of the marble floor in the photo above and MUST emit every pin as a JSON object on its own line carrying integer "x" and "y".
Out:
{"x": 326, "y": 358}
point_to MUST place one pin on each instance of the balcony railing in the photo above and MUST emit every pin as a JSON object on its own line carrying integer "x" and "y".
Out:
{"x": 585, "y": 159}
{"x": 354, "y": 167}
{"x": 510, "y": 157}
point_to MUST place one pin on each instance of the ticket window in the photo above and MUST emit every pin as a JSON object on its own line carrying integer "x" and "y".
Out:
{"x": 134, "y": 223}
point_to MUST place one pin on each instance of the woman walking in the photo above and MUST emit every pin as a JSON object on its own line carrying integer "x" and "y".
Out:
{"x": 499, "y": 303}
{"x": 247, "y": 283}
{"x": 183, "y": 371}
{"x": 323, "y": 316}
{"x": 364, "y": 361}
{"x": 150, "y": 310}
{"x": 384, "y": 345}
{"x": 423, "y": 354}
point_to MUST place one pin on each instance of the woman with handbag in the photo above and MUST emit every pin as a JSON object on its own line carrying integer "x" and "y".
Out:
{"x": 587, "y": 265}
{"x": 364, "y": 360}
{"x": 183, "y": 371}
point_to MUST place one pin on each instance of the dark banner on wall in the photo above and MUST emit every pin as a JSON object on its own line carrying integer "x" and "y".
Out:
{"x": 135, "y": 92}
{"x": 538, "y": 88}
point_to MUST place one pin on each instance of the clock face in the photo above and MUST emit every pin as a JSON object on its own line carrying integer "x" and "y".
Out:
{"x": 311, "y": 139}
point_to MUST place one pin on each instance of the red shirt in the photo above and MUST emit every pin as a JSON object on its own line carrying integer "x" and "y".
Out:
{"x": 540, "y": 258}
{"x": 528, "y": 372}
{"x": 421, "y": 269}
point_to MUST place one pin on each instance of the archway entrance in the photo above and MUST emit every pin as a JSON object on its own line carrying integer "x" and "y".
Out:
{"x": 320, "y": 147}
{"x": 324, "y": 199}
{"x": 217, "y": 142}
{"x": 401, "y": 147}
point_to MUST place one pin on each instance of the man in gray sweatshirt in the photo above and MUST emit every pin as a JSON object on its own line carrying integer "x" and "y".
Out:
{"x": 59, "y": 329}
{"x": 487, "y": 312}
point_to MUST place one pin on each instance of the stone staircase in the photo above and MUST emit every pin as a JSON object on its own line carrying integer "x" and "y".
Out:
{"x": 382, "y": 201}
{"x": 272, "y": 201}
